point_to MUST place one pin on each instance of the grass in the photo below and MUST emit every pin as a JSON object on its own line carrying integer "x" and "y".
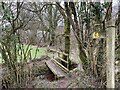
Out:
{"x": 40, "y": 51}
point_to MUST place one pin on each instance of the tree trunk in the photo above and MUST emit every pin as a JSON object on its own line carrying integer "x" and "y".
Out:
{"x": 76, "y": 30}
{"x": 33, "y": 36}
{"x": 51, "y": 25}
{"x": 75, "y": 26}
{"x": 67, "y": 39}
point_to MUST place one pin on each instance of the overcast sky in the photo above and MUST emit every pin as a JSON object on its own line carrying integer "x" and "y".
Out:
{"x": 115, "y": 2}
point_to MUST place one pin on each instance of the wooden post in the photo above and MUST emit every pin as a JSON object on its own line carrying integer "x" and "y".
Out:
{"x": 67, "y": 63}
{"x": 110, "y": 54}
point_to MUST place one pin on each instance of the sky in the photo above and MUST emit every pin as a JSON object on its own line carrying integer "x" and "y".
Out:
{"x": 115, "y": 2}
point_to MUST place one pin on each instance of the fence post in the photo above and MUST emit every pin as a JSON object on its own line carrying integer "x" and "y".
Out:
{"x": 110, "y": 54}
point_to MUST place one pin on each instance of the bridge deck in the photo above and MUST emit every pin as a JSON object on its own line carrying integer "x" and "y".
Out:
{"x": 55, "y": 69}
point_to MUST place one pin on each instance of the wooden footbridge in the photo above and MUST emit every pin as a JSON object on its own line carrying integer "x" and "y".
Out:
{"x": 56, "y": 67}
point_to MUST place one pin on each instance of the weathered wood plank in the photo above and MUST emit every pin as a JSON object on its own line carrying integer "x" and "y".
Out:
{"x": 52, "y": 50}
{"x": 61, "y": 66}
{"x": 62, "y": 59}
{"x": 55, "y": 69}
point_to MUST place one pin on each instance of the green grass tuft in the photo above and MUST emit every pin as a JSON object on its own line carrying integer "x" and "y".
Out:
{"x": 40, "y": 52}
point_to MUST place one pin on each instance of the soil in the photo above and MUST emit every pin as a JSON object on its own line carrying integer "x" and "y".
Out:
{"x": 44, "y": 78}
{"x": 0, "y": 75}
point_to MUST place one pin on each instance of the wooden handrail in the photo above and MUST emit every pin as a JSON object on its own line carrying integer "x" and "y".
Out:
{"x": 60, "y": 65}
{"x": 58, "y": 52}
{"x": 62, "y": 60}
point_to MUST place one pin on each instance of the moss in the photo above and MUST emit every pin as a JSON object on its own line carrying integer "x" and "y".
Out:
{"x": 67, "y": 40}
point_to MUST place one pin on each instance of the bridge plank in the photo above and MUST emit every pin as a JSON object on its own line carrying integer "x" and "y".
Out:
{"x": 60, "y": 65}
{"x": 55, "y": 69}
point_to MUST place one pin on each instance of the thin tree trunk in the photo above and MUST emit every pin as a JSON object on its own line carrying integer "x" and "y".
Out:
{"x": 67, "y": 37}
{"x": 76, "y": 29}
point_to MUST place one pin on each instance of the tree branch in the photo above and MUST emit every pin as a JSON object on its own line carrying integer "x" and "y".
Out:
{"x": 61, "y": 9}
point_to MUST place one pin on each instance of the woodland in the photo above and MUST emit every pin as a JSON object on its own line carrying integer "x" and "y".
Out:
{"x": 59, "y": 44}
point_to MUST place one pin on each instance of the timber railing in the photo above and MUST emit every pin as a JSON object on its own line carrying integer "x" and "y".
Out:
{"x": 59, "y": 53}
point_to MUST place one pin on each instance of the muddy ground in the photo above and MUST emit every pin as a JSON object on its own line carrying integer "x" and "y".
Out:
{"x": 44, "y": 78}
